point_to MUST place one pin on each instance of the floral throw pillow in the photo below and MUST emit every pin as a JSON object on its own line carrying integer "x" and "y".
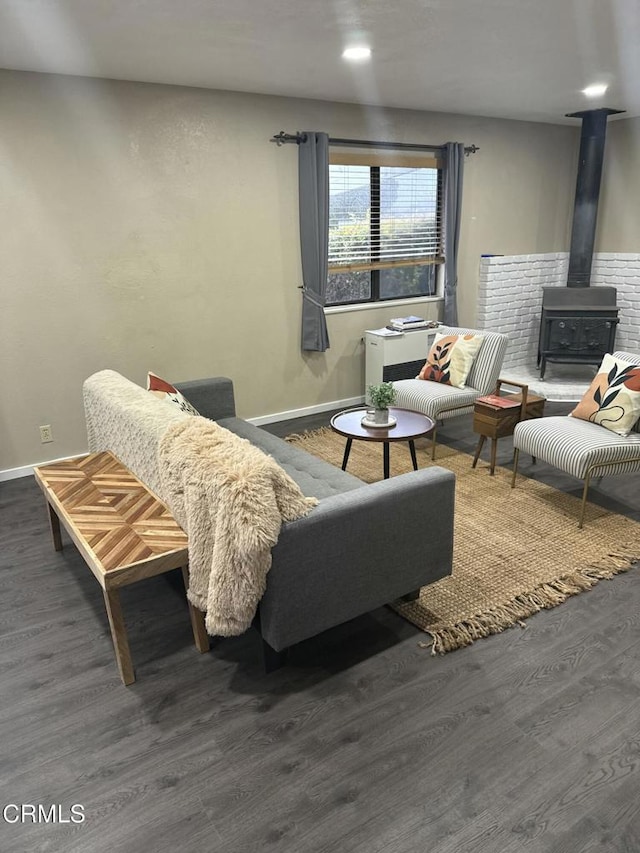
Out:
{"x": 450, "y": 359}
{"x": 613, "y": 398}
{"x": 165, "y": 391}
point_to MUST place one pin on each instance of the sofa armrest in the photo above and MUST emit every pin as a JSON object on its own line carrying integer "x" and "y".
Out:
{"x": 213, "y": 398}
{"x": 356, "y": 551}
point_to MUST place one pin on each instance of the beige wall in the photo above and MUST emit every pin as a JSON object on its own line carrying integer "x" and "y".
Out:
{"x": 619, "y": 205}
{"x": 155, "y": 227}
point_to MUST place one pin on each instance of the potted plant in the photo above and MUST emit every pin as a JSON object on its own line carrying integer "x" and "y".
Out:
{"x": 381, "y": 397}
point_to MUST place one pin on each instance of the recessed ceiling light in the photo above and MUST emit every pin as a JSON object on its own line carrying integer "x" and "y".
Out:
{"x": 356, "y": 54}
{"x": 595, "y": 91}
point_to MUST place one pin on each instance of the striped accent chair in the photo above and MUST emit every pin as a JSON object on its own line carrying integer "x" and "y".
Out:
{"x": 439, "y": 401}
{"x": 580, "y": 448}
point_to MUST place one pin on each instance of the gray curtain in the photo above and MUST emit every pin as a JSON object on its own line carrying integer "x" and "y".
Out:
{"x": 454, "y": 153}
{"x": 313, "y": 171}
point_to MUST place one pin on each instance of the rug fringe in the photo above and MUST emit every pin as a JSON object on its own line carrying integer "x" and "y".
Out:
{"x": 496, "y": 619}
{"x": 543, "y": 597}
{"x": 308, "y": 435}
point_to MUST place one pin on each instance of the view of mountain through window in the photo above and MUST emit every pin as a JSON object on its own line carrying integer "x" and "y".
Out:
{"x": 384, "y": 232}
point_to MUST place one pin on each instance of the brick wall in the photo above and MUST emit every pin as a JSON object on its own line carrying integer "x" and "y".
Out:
{"x": 510, "y": 297}
{"x": 622, "y": 271}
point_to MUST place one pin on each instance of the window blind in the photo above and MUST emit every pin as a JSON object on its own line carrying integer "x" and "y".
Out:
{"x": 383, "y": 215}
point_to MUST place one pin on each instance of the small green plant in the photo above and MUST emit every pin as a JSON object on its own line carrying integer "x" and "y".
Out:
{"x": 382, "y": 396}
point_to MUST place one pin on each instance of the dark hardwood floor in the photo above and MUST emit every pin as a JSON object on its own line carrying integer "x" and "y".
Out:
{"x": 526, "y": 741}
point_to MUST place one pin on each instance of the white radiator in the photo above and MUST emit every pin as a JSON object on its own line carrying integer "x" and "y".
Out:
{"x": 397, "y": 357}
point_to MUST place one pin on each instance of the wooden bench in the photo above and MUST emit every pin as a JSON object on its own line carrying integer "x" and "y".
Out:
{"x": 123, "y": 531}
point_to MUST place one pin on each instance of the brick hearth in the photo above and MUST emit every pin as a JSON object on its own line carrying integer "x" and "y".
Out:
{"x": 510, "y": 301}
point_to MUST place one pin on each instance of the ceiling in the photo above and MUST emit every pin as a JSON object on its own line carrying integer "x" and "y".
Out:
{"x": 518, "y": 59}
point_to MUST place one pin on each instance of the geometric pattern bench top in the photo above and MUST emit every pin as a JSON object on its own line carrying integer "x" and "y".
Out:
{"x": 113, "y": 513}
{"x": 124, "y": 532}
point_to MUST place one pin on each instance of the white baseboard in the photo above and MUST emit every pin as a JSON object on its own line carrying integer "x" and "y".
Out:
{"x": 307, "y": 410}
{"x": 27, "y": 470}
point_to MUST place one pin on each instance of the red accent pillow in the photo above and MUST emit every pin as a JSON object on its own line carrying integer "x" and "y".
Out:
{"x": 166, "y": 391}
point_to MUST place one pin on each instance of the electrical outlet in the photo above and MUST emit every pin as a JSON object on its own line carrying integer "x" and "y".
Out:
{"x": 46, "y": 433}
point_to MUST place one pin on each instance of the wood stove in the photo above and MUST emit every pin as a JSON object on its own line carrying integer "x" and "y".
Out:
{"x": 578, "y": 325}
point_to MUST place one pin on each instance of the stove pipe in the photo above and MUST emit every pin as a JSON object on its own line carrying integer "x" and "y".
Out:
{"x": 585, "y": 212}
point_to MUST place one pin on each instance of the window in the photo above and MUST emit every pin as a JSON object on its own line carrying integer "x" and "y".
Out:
{"x": 384, "y": 226}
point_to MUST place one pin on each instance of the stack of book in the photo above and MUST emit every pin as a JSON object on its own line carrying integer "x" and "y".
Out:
{"x": 500, "y": 402}
{"x": 401, "y": 324}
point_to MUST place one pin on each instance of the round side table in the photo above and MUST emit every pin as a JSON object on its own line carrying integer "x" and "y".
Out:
{"x": 409, "y": 426}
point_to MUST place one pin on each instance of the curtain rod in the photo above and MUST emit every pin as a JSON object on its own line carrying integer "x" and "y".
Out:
{"x": 282, "y": 138}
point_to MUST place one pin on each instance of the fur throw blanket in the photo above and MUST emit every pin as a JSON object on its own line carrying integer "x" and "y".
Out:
{"x": 231, "y": 499}
{"x": 129, "y": 421}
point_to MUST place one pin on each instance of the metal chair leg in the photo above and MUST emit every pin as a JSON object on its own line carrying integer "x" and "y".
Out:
{"x": 516, "y": 455}
{"x": 587, "y": 480}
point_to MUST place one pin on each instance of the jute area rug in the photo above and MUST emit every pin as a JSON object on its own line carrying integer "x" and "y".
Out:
{"x": 516, "y": 551}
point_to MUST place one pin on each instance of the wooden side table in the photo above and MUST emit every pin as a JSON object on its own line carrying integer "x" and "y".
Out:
{"x": 496, "y": 416}
{"x": 409, "y": 426}
{"x": 123, "y": 531}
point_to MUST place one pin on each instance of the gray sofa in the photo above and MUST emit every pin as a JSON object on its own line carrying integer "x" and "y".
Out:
{"x": 362, "y": 546}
